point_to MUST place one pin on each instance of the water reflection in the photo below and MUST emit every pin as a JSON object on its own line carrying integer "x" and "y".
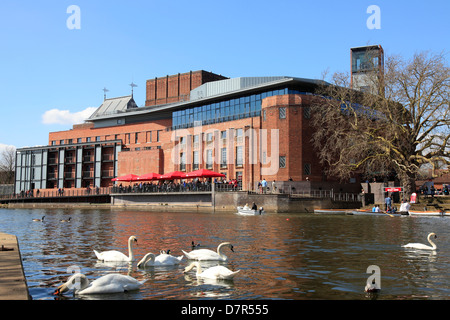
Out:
{"x": 297, "y": 256}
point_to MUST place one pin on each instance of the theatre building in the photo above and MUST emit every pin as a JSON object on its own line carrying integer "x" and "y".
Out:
{"x": 247, "y": 128}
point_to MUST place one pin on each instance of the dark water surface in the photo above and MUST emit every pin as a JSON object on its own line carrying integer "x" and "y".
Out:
{"x": 281, "y": 256}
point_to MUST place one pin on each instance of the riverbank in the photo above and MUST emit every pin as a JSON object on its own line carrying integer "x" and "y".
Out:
{"x": 200, "y": 201}
{"x": 13, "y": 284}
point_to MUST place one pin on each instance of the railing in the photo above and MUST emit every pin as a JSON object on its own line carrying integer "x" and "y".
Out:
{"x": 164, "y": 187}
{"x": 49, "y": 193}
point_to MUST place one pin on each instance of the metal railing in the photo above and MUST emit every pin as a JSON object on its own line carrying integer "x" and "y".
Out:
{"x": 51, "y": 193}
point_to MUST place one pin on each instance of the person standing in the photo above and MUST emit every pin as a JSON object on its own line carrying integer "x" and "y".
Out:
{"x": 388, "y": 203}
{"x": 264, "y": 185}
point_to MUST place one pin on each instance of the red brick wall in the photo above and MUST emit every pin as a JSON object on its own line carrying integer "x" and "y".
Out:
{"x": 176, "y": 87}
{"x": 294, "y": 137}
{"x": 294, "y": 143}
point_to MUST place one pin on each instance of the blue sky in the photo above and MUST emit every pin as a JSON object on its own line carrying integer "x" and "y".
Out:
{"x": 50, "y": 75}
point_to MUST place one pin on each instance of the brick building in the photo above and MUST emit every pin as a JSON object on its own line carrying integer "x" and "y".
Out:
{"x": 248, "y": 128}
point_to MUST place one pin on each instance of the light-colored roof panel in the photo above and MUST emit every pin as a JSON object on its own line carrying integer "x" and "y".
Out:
{"x": 114, "y": 105}
{"x": 222, "y": 86}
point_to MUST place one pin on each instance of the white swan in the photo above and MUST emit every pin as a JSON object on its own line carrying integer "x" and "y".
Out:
{"x": 114, "y": 255}
{"x": 217, "y": 272}
{"x": 39, "y": 220}
{"x": 164, "y": 259}
{"x": 111, "y": 283}
{"x": 206, "y": 254}
{"x": 423, "y": 246}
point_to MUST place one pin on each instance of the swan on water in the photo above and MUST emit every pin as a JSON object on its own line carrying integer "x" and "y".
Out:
{"x": 39, "y": 220}
{"x": 423, "y": 246}
{"x": 216, "y": 272}
{"x": 206, "y": 254}
{"x": 114, "y": 255}
{"x": 163, "y": 259}
{"x": 110, "y": 283}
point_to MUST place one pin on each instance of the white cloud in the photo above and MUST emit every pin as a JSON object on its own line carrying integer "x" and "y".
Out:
{"x": 56, "y": 116}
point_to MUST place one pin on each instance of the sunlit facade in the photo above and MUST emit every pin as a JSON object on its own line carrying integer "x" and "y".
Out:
{"x": 248, "y": 128}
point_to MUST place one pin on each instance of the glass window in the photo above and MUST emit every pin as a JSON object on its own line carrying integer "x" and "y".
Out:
{"x": 223, "y": 157}
{"x": 307, "y": 169}
{"x": 282, "y": 111}
{"x": 282, "y": 161}
{"x": 239, "y": 156}
{"x": 307, "y": 112}
{"x": 209, "y": 161}
{"x": 195, "y": 160}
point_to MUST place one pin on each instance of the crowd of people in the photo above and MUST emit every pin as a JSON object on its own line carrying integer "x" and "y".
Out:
{"x": 183, "y": 186}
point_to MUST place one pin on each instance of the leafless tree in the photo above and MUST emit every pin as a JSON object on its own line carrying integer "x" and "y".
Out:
{"x": 7, "y": 165}
{"x": 400, "y": 126}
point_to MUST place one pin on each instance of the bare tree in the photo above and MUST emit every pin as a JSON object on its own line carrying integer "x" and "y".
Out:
{"x": 401, "y": 125}
{"x": 7, "y": 165}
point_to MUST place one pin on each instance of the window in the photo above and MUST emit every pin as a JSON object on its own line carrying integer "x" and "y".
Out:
{"x": 264, "y": 115}
{"x": 282, "y": 161}
{"x": 209, "y": 161}
{"x": 239, "y": 156}
{"x": 97, "y": 138}
{"x": 79, "y": 140}
{"x": 196, "y": 141}
{"x": 307, "y": 112}
{"x": 223, "y": 157}
{"x": 136, "y": 137}
{"x": 61, "y": 141}
{"x": 223, "y": 135}
{"x": 88, "y": 139}
{"x": 182, "y": 161}
{"x": 282, "y": 111}
{"x": 149, "y": 136}
{"x": 307, "y": 169}
{"x": 239, "y": 135}
{"x": 157, "y": 135}
{"x": 195, "y": 160}
{"x": 209, "y": 137}
{"x": 70, "y": 141}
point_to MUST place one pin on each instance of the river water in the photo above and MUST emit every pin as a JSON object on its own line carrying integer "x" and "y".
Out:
{"x": 280, "y": 256}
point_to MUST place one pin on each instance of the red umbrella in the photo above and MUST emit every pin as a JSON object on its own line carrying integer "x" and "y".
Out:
{"x": 173, "y": 175}
{"x": 203, "y": 173}
{"x": 149, "y": 176}
{"x": 129, "y": 177}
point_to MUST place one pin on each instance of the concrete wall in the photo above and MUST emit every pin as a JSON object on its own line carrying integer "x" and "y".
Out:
{"x": 278, "y": 203}
{"x": 172, "y": 200}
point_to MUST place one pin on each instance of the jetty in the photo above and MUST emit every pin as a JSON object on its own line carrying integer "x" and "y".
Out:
{"x": 13, "y": 284}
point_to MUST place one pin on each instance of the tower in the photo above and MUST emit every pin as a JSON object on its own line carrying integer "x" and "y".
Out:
{"x": 367, "y": 69}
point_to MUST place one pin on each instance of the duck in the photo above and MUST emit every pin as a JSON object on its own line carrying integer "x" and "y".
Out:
{"x": 216, "y": 272}
{"x": 110, "y": 283}
{"x": 64, "y": 220}
{"x": 163, "y": 259}
{"x": 39, "y": 220}
{"x": 194, "y": 245}
{"x": 207, "y": 254}
{"x": 114, "y": 255}
{"x": 423, "y": 246}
